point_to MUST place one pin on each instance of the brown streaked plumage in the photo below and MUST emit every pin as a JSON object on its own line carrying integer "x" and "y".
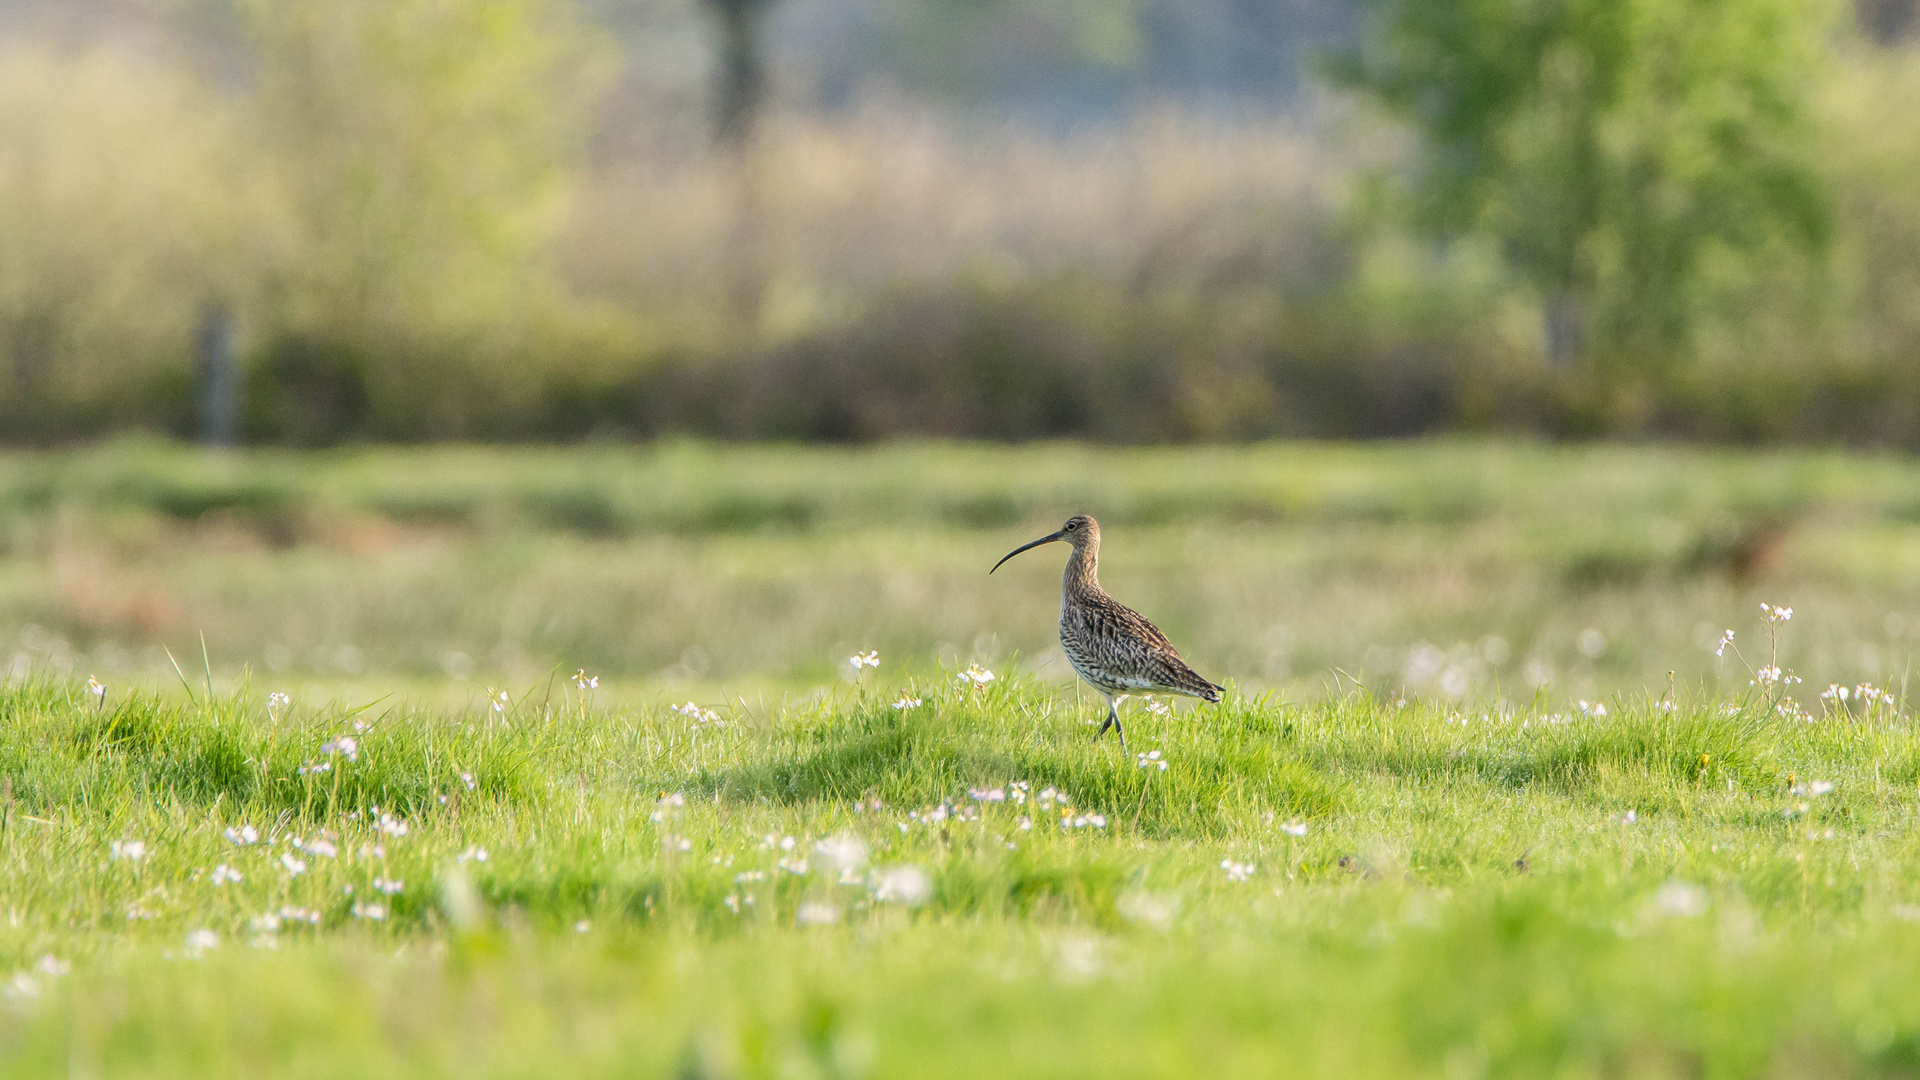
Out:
{"x": 1112, "y": 646}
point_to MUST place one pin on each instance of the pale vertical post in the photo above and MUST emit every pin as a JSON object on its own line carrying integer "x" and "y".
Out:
{"x": 219, "y": 378}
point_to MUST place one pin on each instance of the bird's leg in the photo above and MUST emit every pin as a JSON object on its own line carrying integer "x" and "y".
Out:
{"x": 1113, "y": 721}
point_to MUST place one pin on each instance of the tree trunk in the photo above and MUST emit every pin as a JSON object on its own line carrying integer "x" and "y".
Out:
{"x": 740, "y": 96}
{"x": 741, "y": 77}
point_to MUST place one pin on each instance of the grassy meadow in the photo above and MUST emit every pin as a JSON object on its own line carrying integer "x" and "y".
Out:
{"x": 1460, "y": 569}
{"x": 1455, "y": 817}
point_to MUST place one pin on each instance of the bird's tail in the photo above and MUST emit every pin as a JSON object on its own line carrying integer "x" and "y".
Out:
{"x": 1185, "y": 680}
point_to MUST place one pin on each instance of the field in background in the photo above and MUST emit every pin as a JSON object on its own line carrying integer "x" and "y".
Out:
{"x": 1461, "y": 570}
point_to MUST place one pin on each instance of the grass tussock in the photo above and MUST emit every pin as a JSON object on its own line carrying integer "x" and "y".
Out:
{"x": 1007, "y": 734}
{"x": 61, "y": 747}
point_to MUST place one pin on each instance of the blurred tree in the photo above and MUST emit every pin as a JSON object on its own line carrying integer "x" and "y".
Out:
{"x": 740, "y": 91}
{"x": 742, "y": 71}
{"x": 1887, "y": 21}
{"x": 1609, "y": 148}
{"x": 127, "y": 199}
{"x": 425, "y": 149}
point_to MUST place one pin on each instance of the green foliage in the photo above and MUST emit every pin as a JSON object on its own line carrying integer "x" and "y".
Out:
{"x": 129, "y": 200}
{"x": 1612, "y": 151}
{"x": 424, "y": 150}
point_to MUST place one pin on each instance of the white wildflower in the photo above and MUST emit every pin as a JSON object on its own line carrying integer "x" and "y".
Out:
{"x": 843, "y": 853}
{"x": 388, "y": 885}
{"x": 1077, "y": 957}
{"x": 1294, "y": 828}
{"x": 244, "y": 835}
{"x": 864, "y": 660}
{"x": 1150, "y": 760}
{"x": 1144, "y": 907}
{"x": 130, "y": 850}
{"x": 976, "y": 675}
{"x": 1680, "y": 899}
{"x": 295, "y": 867}
{"x": 907, "y": 885}
{"x": 817, "y": 913}
{"x": 906, "y": 701}
{"x": 1237, "y": 871}
{"x": 223, "y": 873}
{"x": 375, "y": 912}
{"x": 200, "y": 941}
{"x": 346, "y": 746}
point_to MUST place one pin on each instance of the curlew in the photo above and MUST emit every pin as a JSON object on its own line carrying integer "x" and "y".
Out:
{"x": 1113, "y": 647}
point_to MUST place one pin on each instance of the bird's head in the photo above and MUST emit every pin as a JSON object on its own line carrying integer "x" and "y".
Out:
{"x": 1080, "y": 530}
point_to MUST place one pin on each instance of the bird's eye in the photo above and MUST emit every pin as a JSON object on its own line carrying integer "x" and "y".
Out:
{"x": 1071, "y": 526}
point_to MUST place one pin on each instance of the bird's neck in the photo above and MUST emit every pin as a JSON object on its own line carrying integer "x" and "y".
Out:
{"x": 1083, "y": 571}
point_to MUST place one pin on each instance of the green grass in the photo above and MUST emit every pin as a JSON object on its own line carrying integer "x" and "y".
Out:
{"x": 1440, "y": 860}
{"x": 1474, "y": 893}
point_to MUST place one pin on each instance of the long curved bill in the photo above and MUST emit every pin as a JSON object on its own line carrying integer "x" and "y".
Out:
{"x": 1024, "y": 547}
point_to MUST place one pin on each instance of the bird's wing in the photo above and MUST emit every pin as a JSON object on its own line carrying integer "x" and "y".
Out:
{"x": 1139, "y": 628}
{"x": 1170, "y": 671}
{"x": 1150, "y": 655}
